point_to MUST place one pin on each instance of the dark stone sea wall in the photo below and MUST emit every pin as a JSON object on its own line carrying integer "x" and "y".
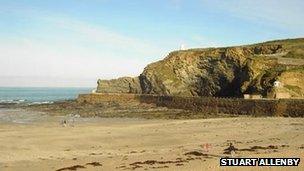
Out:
{"x": 293, "y": 108}
{"x": 238, "y": 106}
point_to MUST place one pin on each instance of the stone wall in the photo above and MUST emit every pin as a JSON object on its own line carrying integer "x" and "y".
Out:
{"x": 96, "y": 98}
{"x": 238, "y": 106}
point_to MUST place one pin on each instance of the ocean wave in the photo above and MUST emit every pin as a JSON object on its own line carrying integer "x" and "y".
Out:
{"x": 23, "y": 101}
{"x": 44, "y": 102}
{"x": 13, "y": 101}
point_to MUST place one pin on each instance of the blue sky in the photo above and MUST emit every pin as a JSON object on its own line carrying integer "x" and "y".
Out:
{"x": 74, "y": 42}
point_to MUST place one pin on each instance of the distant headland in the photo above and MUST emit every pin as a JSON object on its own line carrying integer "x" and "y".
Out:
{"x": 272, "y": 69}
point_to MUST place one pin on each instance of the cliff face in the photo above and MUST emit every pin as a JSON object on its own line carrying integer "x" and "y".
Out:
{"x": 223, "y": 72}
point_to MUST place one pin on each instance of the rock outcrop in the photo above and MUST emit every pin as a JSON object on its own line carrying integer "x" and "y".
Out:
{"x": 120, "y": 85}
{"x": 221, "y": 72}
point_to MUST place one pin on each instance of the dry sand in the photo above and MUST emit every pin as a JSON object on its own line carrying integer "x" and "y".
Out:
{"x": 127, "y": 144}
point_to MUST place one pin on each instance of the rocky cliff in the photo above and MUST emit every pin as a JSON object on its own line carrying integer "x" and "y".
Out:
{"x": 120, "y": 85}
{"x": 222, "y": 72}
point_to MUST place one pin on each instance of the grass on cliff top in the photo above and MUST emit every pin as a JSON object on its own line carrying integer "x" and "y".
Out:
{"x": 294, "y": 46}
{"x": 285, "y": 41}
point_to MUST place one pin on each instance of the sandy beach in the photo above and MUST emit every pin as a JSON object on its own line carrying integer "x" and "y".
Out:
{"x": 147, "y": 144}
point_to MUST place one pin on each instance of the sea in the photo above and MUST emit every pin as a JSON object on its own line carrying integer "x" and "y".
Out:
{"x": 39, "y": 95}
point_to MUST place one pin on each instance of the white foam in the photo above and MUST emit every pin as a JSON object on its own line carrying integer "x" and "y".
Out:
{"x": 44, "y": 102}
{"x": 17, "y": 101}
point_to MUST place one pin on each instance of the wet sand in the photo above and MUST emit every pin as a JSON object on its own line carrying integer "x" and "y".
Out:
{"x": 140, "y": 144}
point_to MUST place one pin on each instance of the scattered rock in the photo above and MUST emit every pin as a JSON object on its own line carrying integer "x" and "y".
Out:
{"x": 75, "y": 167}
{"x": 94, "y": 164}
{"x": 94, "y": 154}
{"x": 231, "y": 149}
{"x": 196, "y": 153}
